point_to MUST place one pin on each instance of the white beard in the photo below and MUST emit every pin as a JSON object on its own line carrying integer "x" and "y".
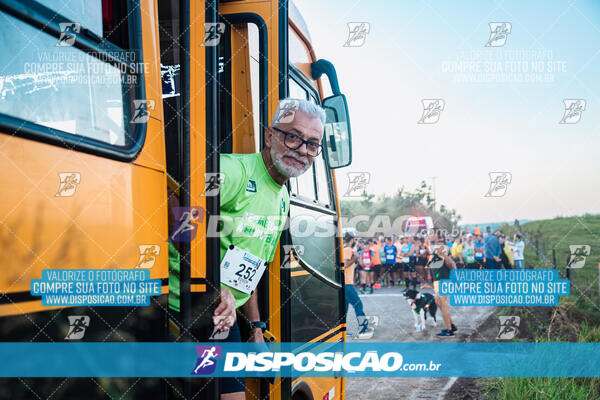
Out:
{"x": 287, "y": 170}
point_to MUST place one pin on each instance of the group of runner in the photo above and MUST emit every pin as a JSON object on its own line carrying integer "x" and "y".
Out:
{"x": 422, "y": 260}
{"x": 409, "y": 260}
{"x": 394, "y": 260}
{"x": 403, "y": 260}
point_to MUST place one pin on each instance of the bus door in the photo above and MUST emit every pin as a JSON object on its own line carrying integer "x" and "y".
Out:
{"x": 247, "y": 95}
{"x": 219, "y": 66}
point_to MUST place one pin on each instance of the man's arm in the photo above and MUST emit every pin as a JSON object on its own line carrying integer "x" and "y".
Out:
{"x": 250, "y": 311}
{"x": 224, "y": 317}
{"x": 352, "y": 259}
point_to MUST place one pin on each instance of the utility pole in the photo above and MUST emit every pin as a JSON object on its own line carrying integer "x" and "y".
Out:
{"x": 433, "y": 178}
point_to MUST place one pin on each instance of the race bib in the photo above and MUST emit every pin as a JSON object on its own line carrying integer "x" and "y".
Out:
{"x": 478, "y": 254}
{"x": 470, "y": 259}
{"x": 366, "y": 259}
{"x": 406, "y": 260}
{"x": 241, "y": 270}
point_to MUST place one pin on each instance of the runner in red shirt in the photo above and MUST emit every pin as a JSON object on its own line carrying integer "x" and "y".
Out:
{"x": 365, "y": 262}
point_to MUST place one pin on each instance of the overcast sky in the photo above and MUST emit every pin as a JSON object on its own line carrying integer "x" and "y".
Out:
{"x": 491, "y": 122}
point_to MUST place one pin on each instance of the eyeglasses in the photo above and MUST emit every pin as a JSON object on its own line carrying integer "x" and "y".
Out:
{"x": 294, "y": 142}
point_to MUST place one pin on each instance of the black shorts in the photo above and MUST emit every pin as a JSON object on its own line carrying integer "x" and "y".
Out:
{"x": 232, "y": 385}
{"x": 421, "y": 262}
{"x": 440, "y": 273}
{"x": 408, "y": 267}
{"x": 376, "y": 269}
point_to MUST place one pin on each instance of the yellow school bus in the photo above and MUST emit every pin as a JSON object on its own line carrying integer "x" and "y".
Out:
{"x": 113, "y": 114}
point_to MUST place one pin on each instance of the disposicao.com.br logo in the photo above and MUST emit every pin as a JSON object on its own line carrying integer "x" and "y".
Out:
{"x": 319, "y": 362}
{"x": 272, "y": 362}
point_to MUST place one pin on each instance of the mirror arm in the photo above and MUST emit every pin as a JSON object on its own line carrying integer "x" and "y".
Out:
{"x": 321, "y": 67}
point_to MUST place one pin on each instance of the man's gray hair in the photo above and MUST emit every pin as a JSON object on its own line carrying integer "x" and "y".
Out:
{"x": 287, "y": 107}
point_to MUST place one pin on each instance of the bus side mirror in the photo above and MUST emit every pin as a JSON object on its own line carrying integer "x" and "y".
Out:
{"x": 337, "y": 141}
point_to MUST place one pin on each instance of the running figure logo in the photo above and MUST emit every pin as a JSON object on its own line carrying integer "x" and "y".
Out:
{"x": 77, "y": 326}
{"x": 207, "y": 359}
{"x": 287, "y": 110}
{"x": 357, "y": 34}
{"x": 573, "y": 110}
{"x": 213, "y": 183}
{"x": 142, "y": 111}
{"x": 357, "y": 183}
{"x": 148, "y": 255}
{"x": 213, "y": 32}
{"x": 499, "y": 182}
{"x": 498, "y": 34}
{"x": 68, "y": 183}
{"x": 186, "y": 223}
{"x": 432, "y": 109}
{"x": 291, "y": 250}
{"x": 509, "y": 327}
{"x": 68, "y": 33}
{"x": 578, "y": 254}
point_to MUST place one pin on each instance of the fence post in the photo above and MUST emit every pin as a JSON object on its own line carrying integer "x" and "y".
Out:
{"x": 544, "y": 252}
{"x": 568, "y": 269}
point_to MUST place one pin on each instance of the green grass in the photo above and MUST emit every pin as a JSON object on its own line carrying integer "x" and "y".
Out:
{"x": 559, "y": 233}
{"x": 544, "y": 388}
{"x": 548, "y": 388}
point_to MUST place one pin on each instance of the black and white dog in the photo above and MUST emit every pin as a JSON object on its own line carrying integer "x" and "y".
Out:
{"x": 421, "y": 303}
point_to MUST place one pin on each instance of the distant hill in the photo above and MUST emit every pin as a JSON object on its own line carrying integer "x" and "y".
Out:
{"x": 493, "y": 225}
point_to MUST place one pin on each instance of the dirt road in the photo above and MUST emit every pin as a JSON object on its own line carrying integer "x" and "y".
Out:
{"x": 396, "y": 325}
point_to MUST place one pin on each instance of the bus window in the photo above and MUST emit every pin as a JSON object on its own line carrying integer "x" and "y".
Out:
{"x": 77, "y": 93}
{"x": 88, "y": 13}
{"x": 240, "y": 105}
{"x": 304, "y": 185}
{"x": 254, "y": 79}
{"x": 298, "y": 52}
{"x": 107, "y": 19}
{"x": 309, "y": 226}
{"x": 322, "y": 182}
{"x": 296, "y": 91}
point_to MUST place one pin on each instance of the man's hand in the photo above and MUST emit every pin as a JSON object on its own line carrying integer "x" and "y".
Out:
{"x": 498, "y": 259}
{"x": 256, "y": 336}
{"x": 224, "y": 317}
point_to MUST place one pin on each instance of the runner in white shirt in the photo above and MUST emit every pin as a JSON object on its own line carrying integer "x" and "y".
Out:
{"x": 518, "y": 248}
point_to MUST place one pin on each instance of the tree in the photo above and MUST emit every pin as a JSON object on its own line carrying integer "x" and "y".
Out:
{"x": 403, "y": 202}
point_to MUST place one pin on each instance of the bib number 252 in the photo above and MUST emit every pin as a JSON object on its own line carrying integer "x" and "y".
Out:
{"x": 246, "y": 271}
{"x": 241, "y": 270}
